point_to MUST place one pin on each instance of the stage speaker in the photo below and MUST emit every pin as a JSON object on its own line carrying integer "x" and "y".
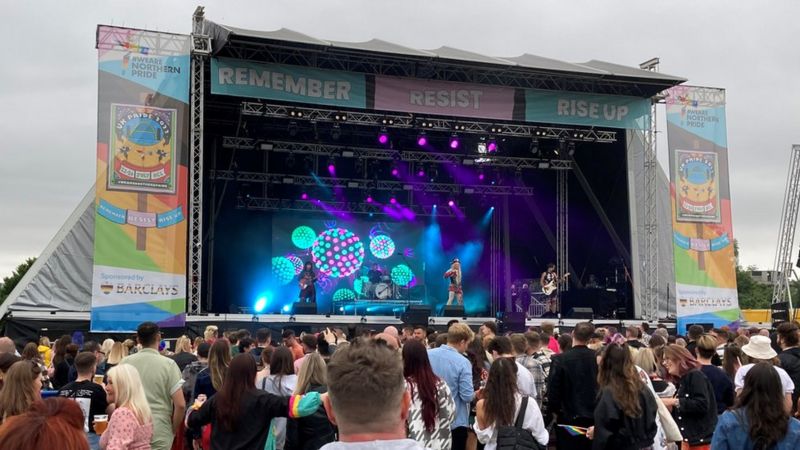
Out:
{"x": 780, "y": 312}
{"x": 416, "y": 315}
{"x": 580, "y": 313}
{"x": 304, "y": 308}
{"x": 453, "y": 311}
{"x": 510, "y": 321}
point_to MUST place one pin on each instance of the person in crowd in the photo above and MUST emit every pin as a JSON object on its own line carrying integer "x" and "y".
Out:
{"x": 565, "y": 342}
{"x": 645, "y": 335}
{"x": 549, "y": 338}
{"x": 741, "y": 340}
{"x": 309, "y": 343}
{"x": 88, "y": 346}
{"x": 290, "y": 341}
{"x": 233, "y": 338}
{"x": 281, "y": 381}
{"x": 210, "y": 380}
{"x": 55, "y": 423}
{"x": 679, "y": 341}
{"x": 632, "y": 337}
{"x": 130, "y": 344}
{"x": 263, "y": 364}
{"x": 387, "y": 339}
{"x": 421, "y": 334}
{"x": 625, "y": 415}
{"x": 789, "y": 342}
{"x": 8, "y": 346}
{"x": 501, "y": 404}
{"x": 211, "y": 333}
{"x": 755, "y": 422}
{"x": 315, "y": 430}
{"x": 694, "y": 407}
{"x": 448, "y": 364}
{"x": 488, "y": 329}
{"x": 572, "y": 389}
{"x": 408, "y": 334}
{"x": 723, "y": 387}
{"x": 240, "y": 414}
{"x": 45, "y": 351}
{"x": 183, "y": 352}
{"x": 432, "y": 407}
{"x": 721, "y": 336}
{"x": 161, "y": 381}
{"x": 245, "y": 345}
{"x": 60, "y": 362}
{"x": 263, "y": 341}
{"x": 500, "y": 347}
{"x": 368, "y": 373}
{"x": 533, "y": 365}
{"x": 760, "y": 350}
{"x": 89, "y": 395}
{"x": 190, "y": 372}
{"x": 31, "y": 353}
{"x": 645, "y": 359}
{"x": 118, "y": 351}
{"x": 105, "y": 347}
{"x": 130, "y": 426}
{"x": 693, "y": 334}
{"x": 6, "y": 361}
{"x": 22, "y": 387}
{"x": 732, "y": 360}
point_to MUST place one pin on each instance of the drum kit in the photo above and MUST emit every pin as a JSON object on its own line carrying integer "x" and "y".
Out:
{"x": 378, "y": 286}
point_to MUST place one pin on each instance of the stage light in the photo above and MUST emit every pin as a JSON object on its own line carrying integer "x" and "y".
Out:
{"x": 369, "y": 199}
{"x": 295, "y": 113}
{"x": 336, "y": 132}
{"x": 571, "y": 149}
{"x": 454, "y": 142}
{"x": 395, "y": 170}
{"x": 260, "y": 304}
{"x": 481, "y": 148}
{"x": 286, "y": 308}
{"x": 491, "y": 146}
{"x": 422, "y": 140}
{"x": 292, "y": 128}
{"x": 342, "y": 117}
{"x": 383, "y": 136}
{"x": 534, "y": 146}
{"x": 393, "y": 200}
{"x": 332, "y": 169}
{"x": 451, "y": 203}
{"x": 387, "y": 121}
{"x": 421, "y": 172}
{"x": 304, "y": 196}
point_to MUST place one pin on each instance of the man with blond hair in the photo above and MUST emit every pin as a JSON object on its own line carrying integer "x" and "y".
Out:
{"x": 368, "y": 373}
{"x": 449, "y": 364}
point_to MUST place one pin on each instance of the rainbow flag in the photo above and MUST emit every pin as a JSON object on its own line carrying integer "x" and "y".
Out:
{"x": 573, "y": 430}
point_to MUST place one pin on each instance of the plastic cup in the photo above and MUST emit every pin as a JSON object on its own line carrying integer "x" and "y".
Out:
{"x": 100, "y": 423}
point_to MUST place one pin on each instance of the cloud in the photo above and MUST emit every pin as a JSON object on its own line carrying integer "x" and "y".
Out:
{"x": 48, "y": 89}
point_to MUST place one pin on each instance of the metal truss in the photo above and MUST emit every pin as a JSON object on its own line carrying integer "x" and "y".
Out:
{"x": 783, "y": 255}
{"x": 201, "y": 48}
{"x": 324, "y": 150}
{"x": 431, "y": 68}
{"x": 426, "y": 123}
{"x": 701, "y": 95}
{"x": 275, "y": 204}
{"x": 368, "y": 184}
{"x": 152, "y": 42}
{"x": 562, "y": 226}
{"x": 650, "y": 281}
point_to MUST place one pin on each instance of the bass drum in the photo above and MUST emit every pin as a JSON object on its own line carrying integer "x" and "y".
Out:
{"x": 383, "y": 291}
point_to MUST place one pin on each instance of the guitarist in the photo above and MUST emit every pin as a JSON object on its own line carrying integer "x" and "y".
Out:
{"x": 549, "y": 281}
{"x": 308, "y": 291}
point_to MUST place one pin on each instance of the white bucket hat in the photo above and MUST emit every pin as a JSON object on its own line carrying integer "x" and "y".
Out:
{"x": 760, "y": 347}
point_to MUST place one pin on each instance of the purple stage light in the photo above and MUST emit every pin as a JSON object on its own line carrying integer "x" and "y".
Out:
{"x": 395, "y": 172}
{"x": 304, "y": 196}
{"x": 369, "y": 199}
{"x": 451, "y": 203}
{"x": 331, "y": 169}
{"x": 481, "y": 177}
{"x": 421, "y": 173}
{"x": 383, "y": 138}
{"x": 491, "y": 147}
{"x": 393, "y": 200}
{"x": 422, "y": 140}
{"x": 454, "y": 142}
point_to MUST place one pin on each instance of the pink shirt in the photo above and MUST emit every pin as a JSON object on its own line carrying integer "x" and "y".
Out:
{"x": 553, "y": 345}
{"x": 126, "y": 433}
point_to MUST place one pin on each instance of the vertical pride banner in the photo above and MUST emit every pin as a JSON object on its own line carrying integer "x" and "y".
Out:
{"x": 142, "y": 177}
{"x": 705, "y": 266}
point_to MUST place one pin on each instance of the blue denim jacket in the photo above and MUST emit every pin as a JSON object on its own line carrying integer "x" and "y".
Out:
{"x": 731, "y": 433}
{"x": 456, "y": 371}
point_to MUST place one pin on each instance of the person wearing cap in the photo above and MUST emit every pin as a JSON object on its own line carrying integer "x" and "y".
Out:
{"x": 759, "y": 349}
{"x": 455, "y": 289}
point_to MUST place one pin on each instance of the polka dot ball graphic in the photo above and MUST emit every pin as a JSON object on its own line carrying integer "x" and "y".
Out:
{"x": 282, "y": 269}
{"x": 344, "y": 295}
{"x": 303, "y": 237}
{"x": 381, "y": 246}
{"x": 338, "y": 252}
{"x": 402, "y": 275}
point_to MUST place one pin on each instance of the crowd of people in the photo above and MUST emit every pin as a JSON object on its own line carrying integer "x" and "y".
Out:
{"x": 406, "y": 388}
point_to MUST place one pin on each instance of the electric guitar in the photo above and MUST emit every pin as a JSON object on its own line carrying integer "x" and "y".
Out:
{"x": 549, "y": 288}
{"x": 305, "y": 281}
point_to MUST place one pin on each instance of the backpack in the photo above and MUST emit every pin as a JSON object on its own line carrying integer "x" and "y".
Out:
{"x": 516, "y": 437}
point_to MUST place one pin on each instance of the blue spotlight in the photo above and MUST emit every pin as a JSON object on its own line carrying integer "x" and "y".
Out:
{"x": 260, "y": 304}
{"x": 286, "y": 308}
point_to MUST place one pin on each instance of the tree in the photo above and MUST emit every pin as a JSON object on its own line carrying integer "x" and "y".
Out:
{"x": 9, "y": 283}
{"x": 752, "y": 295}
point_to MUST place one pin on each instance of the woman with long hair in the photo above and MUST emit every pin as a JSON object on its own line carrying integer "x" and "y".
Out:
{"x": 6, "y": 361}
{"x": 756, "y": 422}
{"x": 60, "y": 363}
{"x": 694, "y": 407}
{"x": 732, "y": 357}
{"x": 45, "y": 352}
{"x": 314, "y": 431}
{"x": 281, "y": 381}
{"x": 501, "y": 404}
{"x": 22, "y": 386}
{"x": 625, "y": 415}
{"x": 53, "y": 423}
{"x": 209, "y": 380}
{"x": 433, "y": 409}
{"x": 183, "y": 355}
{"x": 646, "y": 360}
{"x": 118, "y": 351}
{"x": 31, "y": 353}
{"x": 240, "y": 413}
{"x": 131, "y": 424}
{"x": 455, "y": 290}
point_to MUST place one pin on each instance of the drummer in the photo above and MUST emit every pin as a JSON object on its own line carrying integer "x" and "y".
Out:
{"x": 375, "y": 274}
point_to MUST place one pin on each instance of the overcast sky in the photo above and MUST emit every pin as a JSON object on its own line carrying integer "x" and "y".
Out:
{"x": 48, "y": 81}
